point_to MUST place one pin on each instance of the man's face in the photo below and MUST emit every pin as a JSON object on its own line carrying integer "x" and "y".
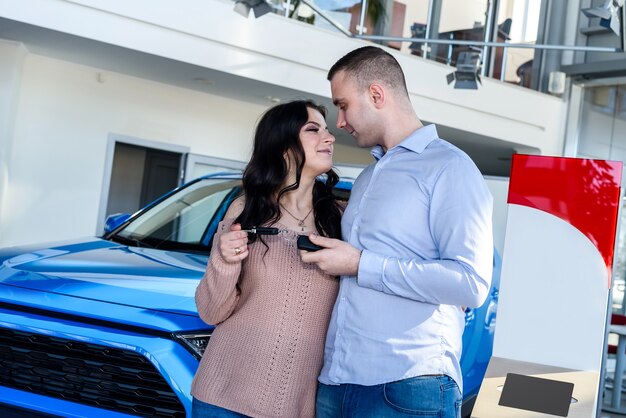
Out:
{"x": 355, "y": 113}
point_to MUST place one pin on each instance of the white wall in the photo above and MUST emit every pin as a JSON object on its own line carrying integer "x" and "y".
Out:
{"x": 12, "y": 54}
{"x": 65, "y": 113}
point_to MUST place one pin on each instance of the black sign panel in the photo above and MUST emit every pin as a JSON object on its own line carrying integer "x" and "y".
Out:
{"x": 536, "y": 394}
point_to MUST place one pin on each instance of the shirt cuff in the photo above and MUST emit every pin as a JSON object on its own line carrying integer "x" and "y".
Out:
{"x": 371, "y": 268}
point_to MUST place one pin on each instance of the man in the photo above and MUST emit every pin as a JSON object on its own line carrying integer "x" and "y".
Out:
{"x": 417, "y": 250}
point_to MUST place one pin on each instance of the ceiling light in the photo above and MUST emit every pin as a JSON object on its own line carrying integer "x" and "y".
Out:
{"x": 608, "y": 14}
{"x": 467, "y": 69}
{"x": 259, "y": 7}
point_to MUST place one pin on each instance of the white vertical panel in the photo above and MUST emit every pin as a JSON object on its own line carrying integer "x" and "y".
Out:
{"x": 553, "y": 294}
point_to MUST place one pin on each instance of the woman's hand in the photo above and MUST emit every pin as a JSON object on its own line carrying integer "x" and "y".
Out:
{"x": 234, "y": 244}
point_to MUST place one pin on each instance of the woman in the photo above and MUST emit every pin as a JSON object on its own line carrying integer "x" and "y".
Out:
{"x": 271, "y": 309}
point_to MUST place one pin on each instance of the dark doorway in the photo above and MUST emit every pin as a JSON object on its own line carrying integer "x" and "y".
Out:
{"x": 161, "y": 173}
{"x": 140, "y": 175}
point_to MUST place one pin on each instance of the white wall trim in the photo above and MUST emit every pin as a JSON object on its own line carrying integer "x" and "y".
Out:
{"x": 193, "y": 159}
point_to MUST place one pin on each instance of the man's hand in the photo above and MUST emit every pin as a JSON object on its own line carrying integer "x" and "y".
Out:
{"x": 337, "y": 258}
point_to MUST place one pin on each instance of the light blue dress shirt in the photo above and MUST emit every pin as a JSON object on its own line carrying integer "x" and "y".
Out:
{"x": 422, "y": 216}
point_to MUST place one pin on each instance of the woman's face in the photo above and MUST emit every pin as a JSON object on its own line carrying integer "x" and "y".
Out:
{"x": 317, "y": 142}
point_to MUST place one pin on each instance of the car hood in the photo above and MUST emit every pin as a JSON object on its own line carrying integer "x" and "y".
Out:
{"x": 102, "y": 271}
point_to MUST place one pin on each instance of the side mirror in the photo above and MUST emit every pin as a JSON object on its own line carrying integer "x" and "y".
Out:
{"x": 115, "y": 220}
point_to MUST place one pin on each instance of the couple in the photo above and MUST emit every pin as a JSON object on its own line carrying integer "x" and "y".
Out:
{"x": 384, "y": 340}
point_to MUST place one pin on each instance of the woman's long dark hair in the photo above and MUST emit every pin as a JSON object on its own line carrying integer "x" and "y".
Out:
{"x": 278, "y": 134}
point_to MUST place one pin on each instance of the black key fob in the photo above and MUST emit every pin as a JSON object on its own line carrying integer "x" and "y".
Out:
{"x": 259, "y": 230}
{"x": 304, "y": 243}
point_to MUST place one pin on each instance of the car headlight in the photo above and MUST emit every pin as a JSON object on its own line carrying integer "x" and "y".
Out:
{"x": 195, "y": 342}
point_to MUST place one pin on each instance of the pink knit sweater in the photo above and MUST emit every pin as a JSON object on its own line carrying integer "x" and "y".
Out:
{"x": 266, "y": 353}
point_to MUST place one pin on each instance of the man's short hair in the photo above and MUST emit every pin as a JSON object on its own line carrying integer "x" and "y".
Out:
{"x": 371, "y": 64}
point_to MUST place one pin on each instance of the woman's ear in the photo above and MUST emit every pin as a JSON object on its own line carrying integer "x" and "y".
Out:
{"x": 288, "y": 156}
{"x": 377, "y": 95}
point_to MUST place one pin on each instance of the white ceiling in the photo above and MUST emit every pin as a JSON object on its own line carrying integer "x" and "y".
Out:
{"x": 491, "y": 155}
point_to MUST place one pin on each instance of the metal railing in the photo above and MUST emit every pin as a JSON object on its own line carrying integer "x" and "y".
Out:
{"x": 486, "y": 45}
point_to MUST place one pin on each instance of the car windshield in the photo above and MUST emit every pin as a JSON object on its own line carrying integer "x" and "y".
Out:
{"x": 186, "y": 220}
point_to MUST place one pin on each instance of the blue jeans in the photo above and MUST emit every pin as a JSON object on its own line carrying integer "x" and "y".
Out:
{"x": 423, "y": 396}
{"x": 201, "y": 409}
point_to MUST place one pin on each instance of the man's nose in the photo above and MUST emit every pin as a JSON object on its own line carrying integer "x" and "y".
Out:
{"x": 341, "y": 121}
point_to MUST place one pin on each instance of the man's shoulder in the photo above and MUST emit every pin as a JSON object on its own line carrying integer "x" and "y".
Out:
{"x": 447, "y": 152}
{"x": 451, "y": 162}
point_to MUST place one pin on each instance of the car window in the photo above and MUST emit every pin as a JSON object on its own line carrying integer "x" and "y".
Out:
{"x": 183, "y": 220}
{"x": 187, "y": 220}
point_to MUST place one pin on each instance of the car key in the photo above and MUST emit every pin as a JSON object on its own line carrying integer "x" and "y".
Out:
{"x": 304, "y": 243}
{"x": 259, "y": 230}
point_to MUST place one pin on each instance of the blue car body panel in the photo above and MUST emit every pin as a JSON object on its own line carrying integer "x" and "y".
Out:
{"x": 131, "y": 298}
{"x": 172, "y": 360}
{"x": 136, "y": 286}
{"x": 480, "y": 325}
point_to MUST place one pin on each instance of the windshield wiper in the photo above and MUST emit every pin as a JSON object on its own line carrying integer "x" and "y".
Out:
{"x": 131, "y": 241}
{"x": 162, "y": 245}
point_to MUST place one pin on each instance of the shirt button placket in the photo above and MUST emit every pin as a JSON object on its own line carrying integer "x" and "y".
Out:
{"x": 338, "y": 355}
{"x": 340, "y": 341}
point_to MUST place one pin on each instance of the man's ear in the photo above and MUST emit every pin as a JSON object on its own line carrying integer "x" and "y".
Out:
{"x": 377, "y": 95}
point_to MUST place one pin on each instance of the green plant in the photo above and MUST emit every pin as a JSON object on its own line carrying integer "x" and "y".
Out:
{"x": 376, "y": 10}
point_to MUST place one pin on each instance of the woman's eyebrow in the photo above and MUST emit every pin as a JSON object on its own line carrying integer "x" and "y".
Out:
{"x": 313, "y": 122}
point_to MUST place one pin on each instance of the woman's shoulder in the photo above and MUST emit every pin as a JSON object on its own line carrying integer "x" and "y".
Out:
{"x": 235, "y": 208}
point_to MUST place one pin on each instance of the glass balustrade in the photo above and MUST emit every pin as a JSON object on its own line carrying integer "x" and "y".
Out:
{"x": 512, "y": 21}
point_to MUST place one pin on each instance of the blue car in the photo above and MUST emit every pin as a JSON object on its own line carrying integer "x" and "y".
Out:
{"x": 108, "y": 327}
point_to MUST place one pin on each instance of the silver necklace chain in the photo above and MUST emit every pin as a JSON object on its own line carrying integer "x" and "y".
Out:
{"x": 300, "y": 221}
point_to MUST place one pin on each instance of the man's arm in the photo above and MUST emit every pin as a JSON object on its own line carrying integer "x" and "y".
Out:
{"x": 460, "y": 223}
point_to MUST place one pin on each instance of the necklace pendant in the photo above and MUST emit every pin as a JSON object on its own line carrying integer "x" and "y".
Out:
{"x": 300, "y": 221}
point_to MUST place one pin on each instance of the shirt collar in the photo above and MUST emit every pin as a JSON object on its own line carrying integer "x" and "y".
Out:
{"x": 416, "y": 142}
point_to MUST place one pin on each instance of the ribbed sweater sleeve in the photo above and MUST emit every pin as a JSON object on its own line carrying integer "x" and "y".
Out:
{"x": 217, "y": 294}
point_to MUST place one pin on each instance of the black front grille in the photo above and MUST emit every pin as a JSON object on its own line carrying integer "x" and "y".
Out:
{"x": 90, "y": 374}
